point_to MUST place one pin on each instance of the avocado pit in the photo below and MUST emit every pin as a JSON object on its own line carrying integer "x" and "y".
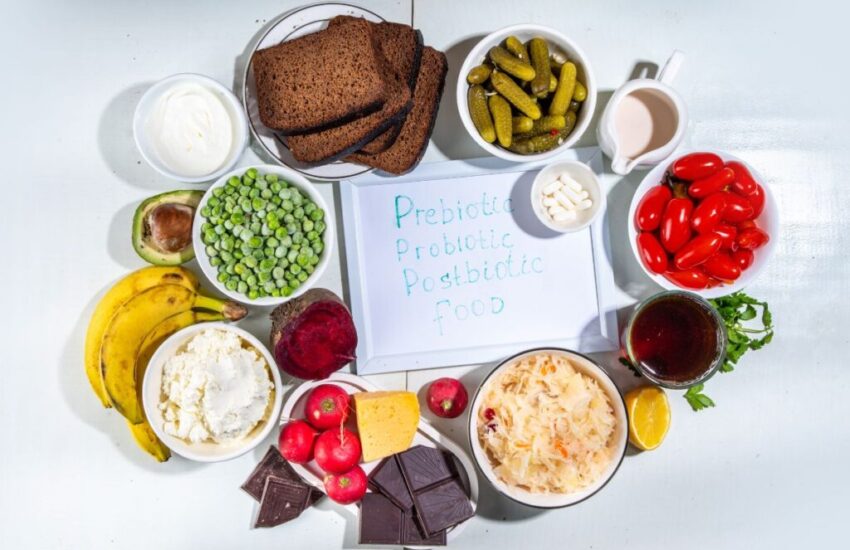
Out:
{"x": 170, "y": 227}
{"x": 162, "y": 227}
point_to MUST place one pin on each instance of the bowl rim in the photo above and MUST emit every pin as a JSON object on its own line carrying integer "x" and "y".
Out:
{"x": 240, "y": 125}
{"x": 472, "y": 430}
{"x": 156, "y": 363}
{"x": 564, "y": 43}
{"x": 770, "y": 215}
{"x": 598, "y": 207}
{"x": 328, "y": 238}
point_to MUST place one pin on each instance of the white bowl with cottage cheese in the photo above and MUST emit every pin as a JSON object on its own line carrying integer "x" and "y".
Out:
{"x": 212, "y": 392}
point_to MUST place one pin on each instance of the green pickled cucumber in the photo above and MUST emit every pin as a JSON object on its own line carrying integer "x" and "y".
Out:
{"x": 548, "y": 123}
{"x": 513, "y": 93}
{"x": 516, "y": 47}
{"x": 553, "y": 83}
{"x": 580, "y": 93}
{"x": 522, "y": 124}
{"x": 500, "y": 109}
{"x": 539, "y": 52}
{"x": 570, "y": 118}
{"x": 480, "y": 113}
{"x": 564, "y": 92}
{"x": 536, "y": 144}
{"x": 511, "y": 64}
{"x": 479, "y": 74}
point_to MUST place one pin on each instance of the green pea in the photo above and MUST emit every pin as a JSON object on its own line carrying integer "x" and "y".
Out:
{"x": 280, "y": 252}
{"x": 317, "y": 214}
{"x": 287, "y": 205}
{"x": 307, "y": 225}
{"x": 206, "y": 211}
{"x": 309, "y": 207}
{"x": 288, "y": 218}
{"x": 213, "y": 201}
{"x": 286, "y": 291}
{"x": 228, "y": 225}
{"x": 277, "y": 272}
{"x": 314, "y": 260}
{"x": 231, "y": 284}
{"x": 295, "y": 269}
{"x": 303, "y": 276}
{"x": 258, "y": 203}
{"x": 264, "y": 277}
{"x": 317, "y": 247}
{"x": 238, "y": 254}
{"x": 244, "y": 191}
{"x": 240, "y": 268}
{"x": 258, "y": 254}
{"x": 253, "y": 294}
{"x": 229, "y": 269}
{"x": 255, "y": 242}
{"x": 283, "y": 262}
{"x": 267, "y": 265}
{"x": 219, "y": 230}
{"x": 302, "y": 260}
{"x": 292, "y": 255}
{"x": 242, "y": 287}
{"x": 285, "y": 194}
{"x": 251, "y": 173}
{"x": 294, "y": 283}
{"x": 226, "y": 256}
{"x": 222, "y": 276}
{"x": 309, "y": 269}
{"x": 280, "y": 233}
{"x": 275, "y": 185}
{"x": 312, "y": 235}
{"x": 252, "y": 280}
{"x": 211, "y": 251}
{"x": 298, "y": 213}
{"x": 297, "y": 237}
{"x": 234, "y": 181}
{"x": 255, "y": 226}
{"x": 215, "y": 261}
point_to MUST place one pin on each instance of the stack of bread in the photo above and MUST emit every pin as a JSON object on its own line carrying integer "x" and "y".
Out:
{"x": 359, "y": 91}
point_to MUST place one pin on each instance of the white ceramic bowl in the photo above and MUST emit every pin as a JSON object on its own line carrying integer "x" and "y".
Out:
{"x": 586, "y": 366}
{"x": 768, "y": 221}
{"x": 558, "y": 43}
{"x": 299, "y": 181}
{"x": 206, "y": 452}
{"x": 231, "y": 103}
{"x": 582, "y": 174}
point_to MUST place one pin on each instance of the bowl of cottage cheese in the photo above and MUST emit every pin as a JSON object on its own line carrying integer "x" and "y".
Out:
{"x": 212, "y": 392}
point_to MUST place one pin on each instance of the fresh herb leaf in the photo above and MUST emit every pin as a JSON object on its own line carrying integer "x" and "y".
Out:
{"x": 748, "y": 313}
{"x": 696, "y": 399}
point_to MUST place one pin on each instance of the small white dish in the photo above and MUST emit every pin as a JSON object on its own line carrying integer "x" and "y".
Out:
{"x": 328, "y": 238}
{"x": 583, "y": 175}
{"x": 234, "y": 110}
{"x": 206, "y": 452}
{"x": 586, "y": 366}
{"x": 768, "y": 221}
{"x": 558, "y": 43}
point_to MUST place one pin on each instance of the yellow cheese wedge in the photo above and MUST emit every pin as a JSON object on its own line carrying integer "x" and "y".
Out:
{"x": 387, "y": 422}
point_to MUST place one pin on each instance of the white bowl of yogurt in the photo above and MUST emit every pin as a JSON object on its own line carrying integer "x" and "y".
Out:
{"x": 190, "y": 128}
{"x": 212, "y": 392}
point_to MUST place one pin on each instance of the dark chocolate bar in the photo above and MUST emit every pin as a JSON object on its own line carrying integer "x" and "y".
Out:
{"x": 283, "y": 500}
{"x": 387, "y": 479}
{"x": 382, "y": 522}
{"x": 424, "y": 467}
{"x": 273, "y": 464}
{"x": 441, "y": 507}
{"x": 413, "y": 533}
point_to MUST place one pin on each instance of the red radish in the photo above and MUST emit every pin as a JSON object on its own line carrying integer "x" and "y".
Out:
{"x": 447, "y": 398}
{"x": 348, "y": 487}
{"x": 313, "y": 335}
{"x": 296, "y": 441}
{"x": 327, "y": 406}
{"x": 337, "y": 451}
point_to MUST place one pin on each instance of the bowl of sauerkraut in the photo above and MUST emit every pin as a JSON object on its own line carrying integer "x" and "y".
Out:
{"x": 548, "y": 428}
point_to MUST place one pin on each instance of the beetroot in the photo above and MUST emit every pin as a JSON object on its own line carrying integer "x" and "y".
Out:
{"x": 313, "y": 335}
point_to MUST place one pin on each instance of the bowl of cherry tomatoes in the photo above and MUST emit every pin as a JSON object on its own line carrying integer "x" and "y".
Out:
{"x": 707, "y": 222}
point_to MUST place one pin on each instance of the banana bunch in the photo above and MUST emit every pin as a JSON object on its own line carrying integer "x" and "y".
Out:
{"x": 128, "y": 325}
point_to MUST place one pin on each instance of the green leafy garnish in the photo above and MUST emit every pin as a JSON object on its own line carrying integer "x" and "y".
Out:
{"x": 696, "y": 399}
{"x": 736, "y": 309}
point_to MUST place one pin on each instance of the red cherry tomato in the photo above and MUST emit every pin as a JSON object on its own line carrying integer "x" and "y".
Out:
{"x": 722, "y": 266}
{"x": 737, "y": 208}
{"x": 651, "y": 207}
{"x": 746, "y": 224}
{"x": 728, "y": 232}
{"x": 744, "y": 183}
{"x": 689, "y": 278}
{"x": 756, "y": 198}
{"x": 717, "y": 181}
{"x": 708, "y": 213}
{"x": 696, "y": 165}
{"x": 752, "y": 238}
{"x": 652, "y": 253}
{"x": 698, "y": 250}
{"x": 676, "y": 224}
{"x": 743, "y": 257}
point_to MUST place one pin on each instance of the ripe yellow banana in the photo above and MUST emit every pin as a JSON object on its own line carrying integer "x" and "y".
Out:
{"x": 118, "y": 295}
{"x": 148, "y": 441}
{"x": 128, "y": 328}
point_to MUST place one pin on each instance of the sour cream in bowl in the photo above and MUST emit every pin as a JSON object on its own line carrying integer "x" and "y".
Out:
{"x": 190, "y": 128}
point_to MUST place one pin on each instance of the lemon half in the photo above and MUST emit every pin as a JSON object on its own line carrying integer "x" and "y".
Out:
{"x": 649, "y": 417}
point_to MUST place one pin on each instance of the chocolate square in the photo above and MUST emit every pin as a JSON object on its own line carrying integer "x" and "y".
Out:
{"x": 424, "y": 467}
{"x": 441, "y": 507}
{"x": 273, "y": 464}
{"x": 283, "y": 500}
{"x": 380, "y": 520}
{"x": 412, "y": 533}
{"x": 387, "y": 479}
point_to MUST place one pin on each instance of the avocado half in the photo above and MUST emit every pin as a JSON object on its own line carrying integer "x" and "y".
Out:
{"x": 162, "y": 227}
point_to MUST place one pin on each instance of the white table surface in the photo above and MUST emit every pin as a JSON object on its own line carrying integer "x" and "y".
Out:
{"x": 767, "y": 468}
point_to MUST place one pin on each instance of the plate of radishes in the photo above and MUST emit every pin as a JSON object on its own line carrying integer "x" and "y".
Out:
{"x": 319, "y": 439}
{"x": 707, "y": 223}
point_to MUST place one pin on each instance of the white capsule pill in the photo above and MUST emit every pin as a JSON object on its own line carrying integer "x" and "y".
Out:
{"x": 549, "y": 201}
{"x": 584, "y": 204}
{"x": 584, "y": 194}
{"x": 571, "y": 183}
{"x": 573, "y": 196}
{"x": 555, "y": 210}
{"x": 550, "y": 189}
{"x": 564, "y": 201}
{"x": 569, "y": 215}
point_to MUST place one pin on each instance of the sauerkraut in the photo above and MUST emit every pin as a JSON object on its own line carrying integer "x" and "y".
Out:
{"x": 546, "y": 427}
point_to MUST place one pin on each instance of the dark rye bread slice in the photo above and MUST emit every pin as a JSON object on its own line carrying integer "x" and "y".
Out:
{"x": 334, "y": 143}
{"x": 402, "y": 47}
{"x": 407, "y": 150}
{"x": 319, "y": 80}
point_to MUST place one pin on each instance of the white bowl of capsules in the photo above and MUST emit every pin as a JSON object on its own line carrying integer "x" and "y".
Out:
{"x": 190, "y": 128}
{"x": 567, "y": 196}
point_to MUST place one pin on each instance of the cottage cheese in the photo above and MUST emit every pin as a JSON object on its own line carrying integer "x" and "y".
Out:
{"x": 216, "y": 390}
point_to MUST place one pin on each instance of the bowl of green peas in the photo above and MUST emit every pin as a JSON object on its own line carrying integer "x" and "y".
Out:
{"x": 263, "y": 235}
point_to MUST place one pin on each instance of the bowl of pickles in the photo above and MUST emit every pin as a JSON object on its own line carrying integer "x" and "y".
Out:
{"x": 526, "y": 92}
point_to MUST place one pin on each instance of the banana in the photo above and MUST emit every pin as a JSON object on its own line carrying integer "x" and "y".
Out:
{"x": 119, "y": 294}
{"x": 148, "y": 441}
{"x": 132, "y": 322}
{"x": 165, "y": 329}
